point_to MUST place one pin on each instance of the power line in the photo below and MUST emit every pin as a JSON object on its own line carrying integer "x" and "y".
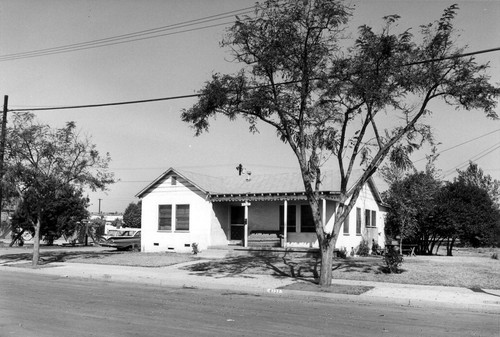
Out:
{"x": 114, "y": 43}
{"x": 130, "y": 37}
{"x": 197, "y": 95}
{"x": 109, "y": 104}
{"x": 473, "y": 158}
{"x": 466, "y": 142}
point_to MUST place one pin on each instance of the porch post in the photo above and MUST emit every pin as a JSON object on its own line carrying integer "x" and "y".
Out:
{"x": 245, "y": 243}
{"x": 285, "y": 223}
{"x": 324, "y": 214}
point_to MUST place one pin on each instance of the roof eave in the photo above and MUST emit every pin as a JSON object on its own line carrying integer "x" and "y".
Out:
{"x": 163, "y": 175}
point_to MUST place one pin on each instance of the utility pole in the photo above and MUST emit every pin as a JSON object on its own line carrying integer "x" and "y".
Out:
{"x": 100, "y": 206}
{"x": 2, "y": 147}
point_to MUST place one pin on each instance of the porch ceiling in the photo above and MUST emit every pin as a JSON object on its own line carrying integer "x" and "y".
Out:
{"x": 267, "y": 197}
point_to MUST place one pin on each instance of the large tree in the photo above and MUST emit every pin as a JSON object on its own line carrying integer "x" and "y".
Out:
{"x": 62, "y": 212}
{"x": 411, "y": 202}
{"x": 470, "y": 214}
{"x": 327, "y": 99}
{"x": 43, "y": 161}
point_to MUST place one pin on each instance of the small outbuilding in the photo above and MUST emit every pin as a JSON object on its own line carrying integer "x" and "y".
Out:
{"x": 182, "y": 208}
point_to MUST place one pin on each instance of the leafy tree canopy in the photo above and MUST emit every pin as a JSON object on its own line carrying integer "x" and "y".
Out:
{"x": 471, "y": 213}
{"x": 328, "y": 99}
{"x": 42, "y": 161}
{"x": 474, "y": 176}
{"x": 61, "y": 212}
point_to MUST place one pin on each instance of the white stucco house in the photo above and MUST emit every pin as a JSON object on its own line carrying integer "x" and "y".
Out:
{"x": 180, "y": 208}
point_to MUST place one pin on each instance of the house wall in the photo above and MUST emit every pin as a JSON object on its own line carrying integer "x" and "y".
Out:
{"x": 366, "y": 201}
{"x": 219, "y": 228}
{"x": 210, "y": 222}
{"x": 201, "y": 223}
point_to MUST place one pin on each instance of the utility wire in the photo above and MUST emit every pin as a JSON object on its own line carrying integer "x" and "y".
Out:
{"x": 108, "y": 104}
{"x": 114, "y": 43}
{"x": 130, "y": 37}
{"x": 455, "y": 146}
{"x": 473, "y": 158}
{"x": 251, "y": 88}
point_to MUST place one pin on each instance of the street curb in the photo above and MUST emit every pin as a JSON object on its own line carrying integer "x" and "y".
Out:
{"x": 199, "y": 284}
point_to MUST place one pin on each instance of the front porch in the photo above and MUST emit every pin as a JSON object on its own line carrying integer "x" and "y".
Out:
{"x": 278, "y": 223}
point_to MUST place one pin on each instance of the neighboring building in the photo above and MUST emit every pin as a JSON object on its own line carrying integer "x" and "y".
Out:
{"x": 180, "y": 208}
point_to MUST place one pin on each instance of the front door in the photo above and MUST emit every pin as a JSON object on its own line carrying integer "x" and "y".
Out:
{"x": 237, "y": 233}
{"x": 237, "y": 223}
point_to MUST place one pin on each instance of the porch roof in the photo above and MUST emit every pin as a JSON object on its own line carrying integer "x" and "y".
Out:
{"x": 265, "y": 187}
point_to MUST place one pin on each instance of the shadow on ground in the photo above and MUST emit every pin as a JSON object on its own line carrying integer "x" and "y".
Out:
{"x": 47, "y": 257}
{"x": 301, "y": 266}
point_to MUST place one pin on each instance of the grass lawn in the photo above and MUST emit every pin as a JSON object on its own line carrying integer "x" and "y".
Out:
{"x": 470, "y": 268}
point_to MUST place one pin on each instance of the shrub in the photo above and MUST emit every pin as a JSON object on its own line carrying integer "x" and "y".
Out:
{"x": 363, "y": 249}
{"x": 494, "y": 256}
{"x": 393, "y": 260}
{"x": 342, "y": 253}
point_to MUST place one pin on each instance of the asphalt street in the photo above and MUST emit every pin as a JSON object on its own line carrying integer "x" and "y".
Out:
{"x": 41, "y": 305}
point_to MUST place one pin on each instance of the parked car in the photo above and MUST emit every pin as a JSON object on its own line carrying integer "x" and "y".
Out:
{"x": 123, "y": 238}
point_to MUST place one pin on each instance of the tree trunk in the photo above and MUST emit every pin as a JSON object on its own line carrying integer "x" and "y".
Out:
{"x": 325, "y": 276}
{"x": 439, "y": 245}
{"x": 449, "y": 247}
{"x": 16, "y": 237}
{"x": 36, "y": 242}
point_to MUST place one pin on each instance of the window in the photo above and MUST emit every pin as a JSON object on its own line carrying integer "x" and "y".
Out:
{"x": 346, "y": 225}
{"x": 358, "y": 221}
{"x": 173, "y": 180}
{"x": 374, "y": 219}
{"x": 367, "y": 217}
{"x": 291, "y": 219}
{"x": 182, "y": 218}
{"x": 165, "y": 217}
{"x": 306, "y": 219}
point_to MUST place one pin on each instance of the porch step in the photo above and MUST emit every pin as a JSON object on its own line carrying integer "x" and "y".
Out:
{"x": 264, "y": 243}
{"x": 264, "y": 240}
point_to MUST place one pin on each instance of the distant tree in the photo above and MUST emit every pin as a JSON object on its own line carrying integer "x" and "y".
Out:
{"x": 117, "y": 223}
{"x": 42, "y": 161}
{"x": 475, "y": 176}
{"x": 470, "y": 213}
{"x": 327, "y": 100}
{"x": 132, "y": 215}
{"x": 411, "y": 203}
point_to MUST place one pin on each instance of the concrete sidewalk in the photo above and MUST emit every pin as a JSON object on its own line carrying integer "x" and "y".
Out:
{"x": 482, "y": 300}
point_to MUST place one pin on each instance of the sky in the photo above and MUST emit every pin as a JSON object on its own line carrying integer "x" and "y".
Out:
{"x": 144, "y": 140}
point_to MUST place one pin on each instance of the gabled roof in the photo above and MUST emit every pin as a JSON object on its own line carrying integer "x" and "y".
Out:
{"x": 263, "y": 185}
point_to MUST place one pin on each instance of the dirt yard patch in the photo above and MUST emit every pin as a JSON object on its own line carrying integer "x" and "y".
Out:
{"x": 334, "y": 289}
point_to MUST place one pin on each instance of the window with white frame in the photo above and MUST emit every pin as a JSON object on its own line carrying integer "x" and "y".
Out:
{"x": 370, "y": 218}
{"x": 164, "y": 217}
{"x": 167, "y": 214}
{"x": 182, "y": 218}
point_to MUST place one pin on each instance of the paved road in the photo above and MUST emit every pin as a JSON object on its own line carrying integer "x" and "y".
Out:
{"x": 38, "y": 305}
